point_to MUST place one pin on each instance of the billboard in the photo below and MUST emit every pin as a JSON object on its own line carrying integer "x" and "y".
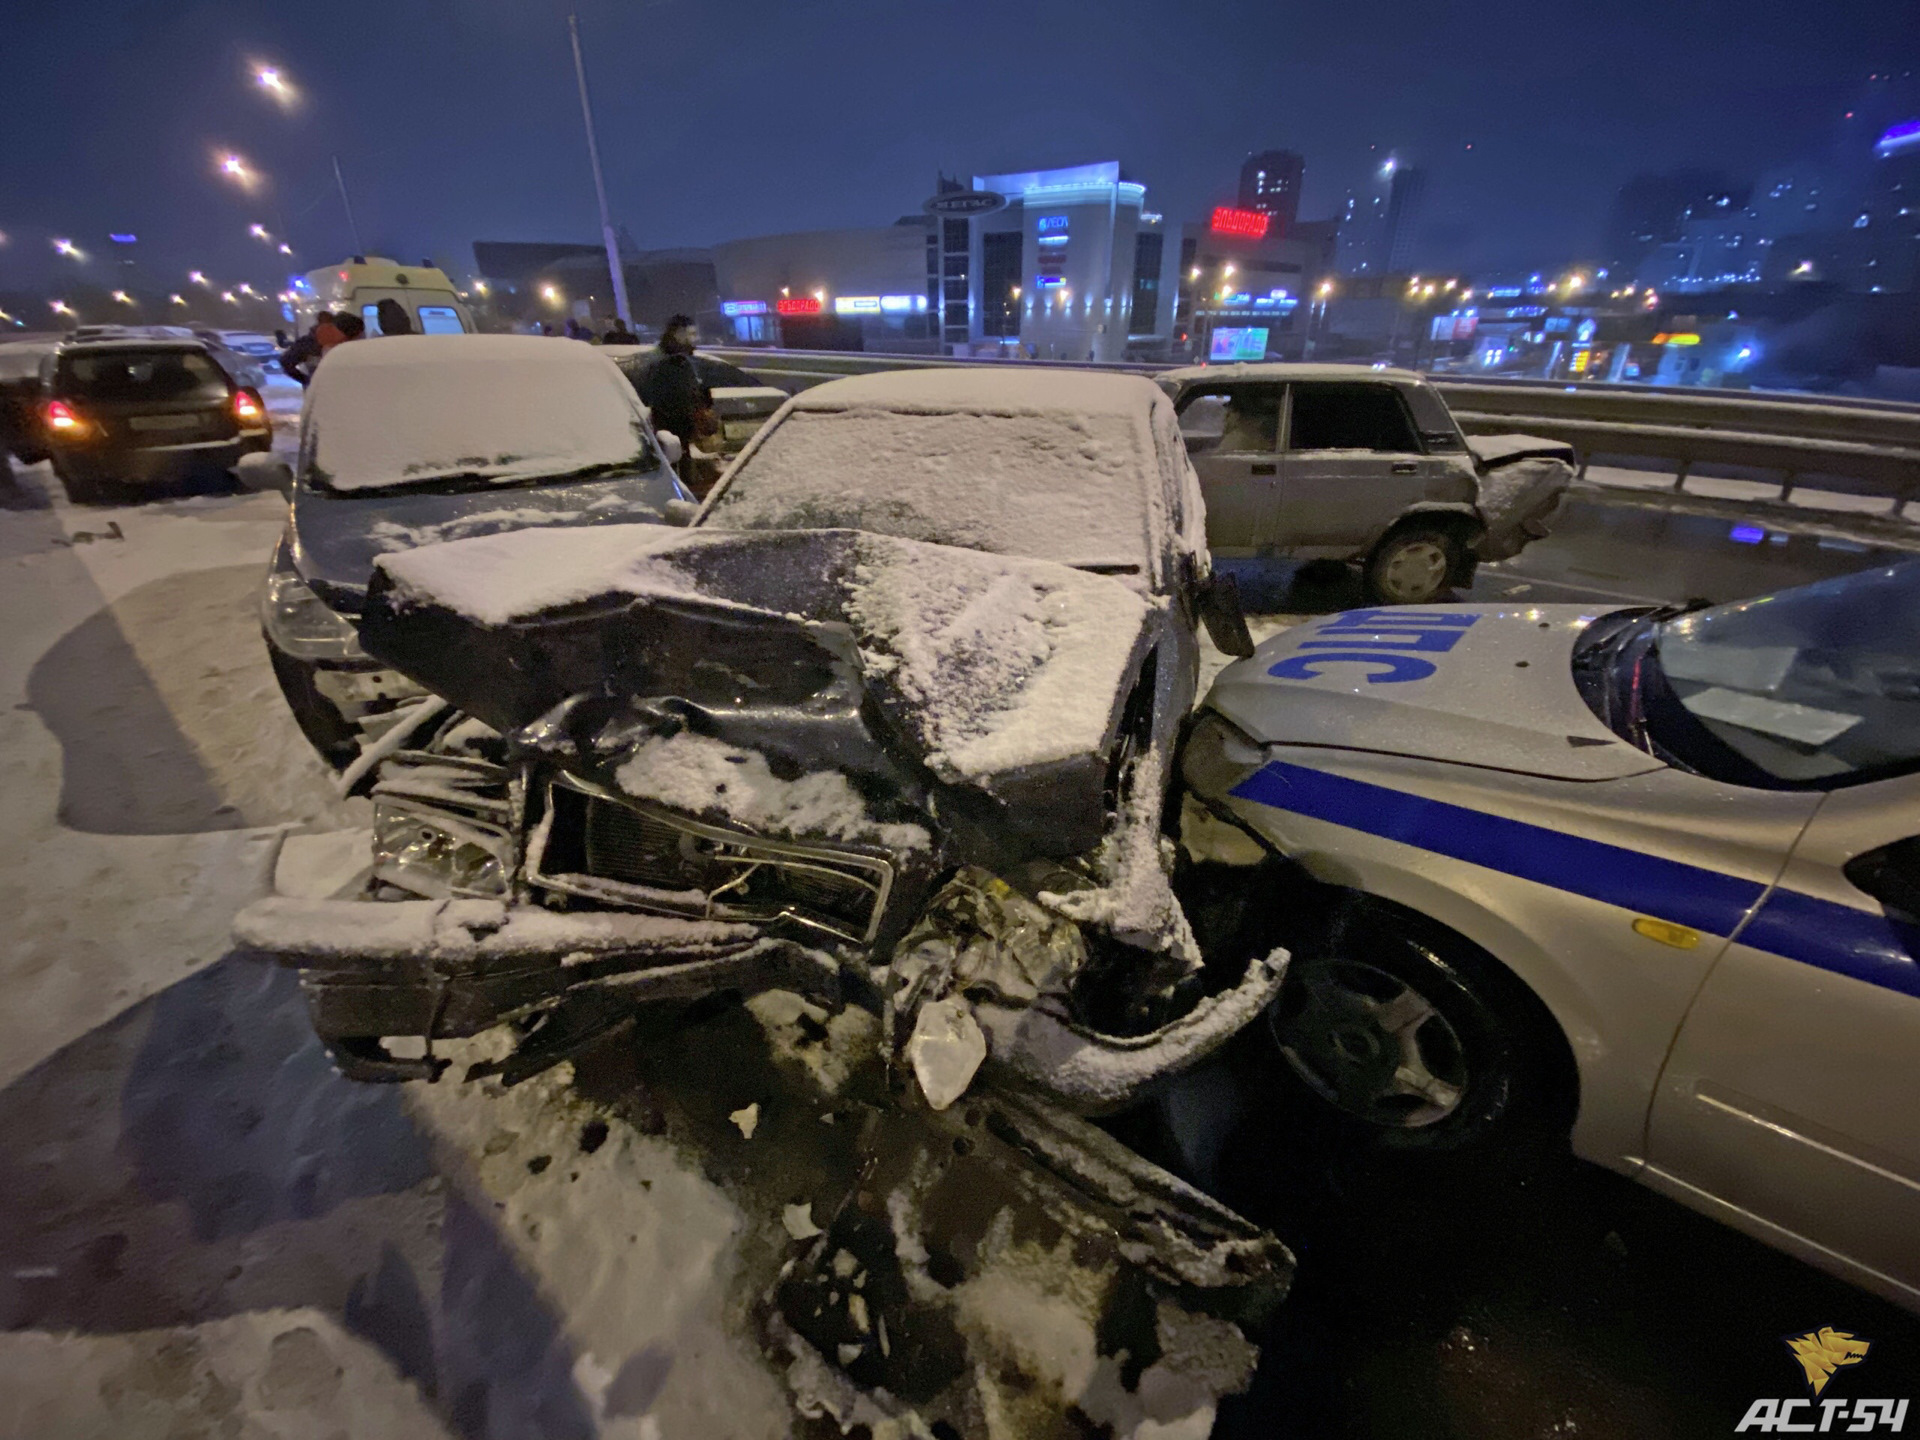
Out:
{"x": 1238, "y": 342}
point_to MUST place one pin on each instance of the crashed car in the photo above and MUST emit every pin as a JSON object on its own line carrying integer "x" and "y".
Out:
{"x": 443, "y": 437}
{"x": 1343, "y": 462}
{"x": 890, "y": 724}
{"x": 1648, "y": 878}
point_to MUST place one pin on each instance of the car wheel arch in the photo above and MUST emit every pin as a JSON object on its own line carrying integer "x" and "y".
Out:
{"x": 1569, "y": 1017}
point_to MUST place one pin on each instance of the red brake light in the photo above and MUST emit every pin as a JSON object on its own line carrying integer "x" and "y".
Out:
{"x": 247, "y": 408}
{"x": 60, "y": 416}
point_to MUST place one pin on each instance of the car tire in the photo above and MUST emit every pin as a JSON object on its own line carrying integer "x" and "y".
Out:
{"x": 1407, "y": 1039}
{"x": 326, "y": 729}
{"x": 1414, "y": 566}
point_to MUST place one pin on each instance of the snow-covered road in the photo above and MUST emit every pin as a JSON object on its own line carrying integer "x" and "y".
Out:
{"x": 207, "y": 1231}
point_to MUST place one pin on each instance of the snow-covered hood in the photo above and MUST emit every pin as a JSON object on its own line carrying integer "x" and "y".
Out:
{"x": 913, "y": 670}
{"x": 1485, "y": 685}
{"x": 335, "y": 539}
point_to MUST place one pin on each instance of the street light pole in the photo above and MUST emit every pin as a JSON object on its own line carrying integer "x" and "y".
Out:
{"x": 619, "y": 275}
{"x": 347, "y": 205}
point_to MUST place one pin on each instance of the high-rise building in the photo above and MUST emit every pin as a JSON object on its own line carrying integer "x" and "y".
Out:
{"x": 1270, "y": 183}
{"x": 1377, "y": 221}
{"x": 1652, "y": 210}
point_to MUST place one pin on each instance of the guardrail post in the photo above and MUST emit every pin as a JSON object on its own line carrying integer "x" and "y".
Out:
{"x": 1680, "y": 480}
{"x": 1582, "y": 456}
{"x": 1787, "y": 481}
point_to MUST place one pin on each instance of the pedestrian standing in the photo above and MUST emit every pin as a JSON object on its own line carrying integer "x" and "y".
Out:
{"x": 393, "y": 317}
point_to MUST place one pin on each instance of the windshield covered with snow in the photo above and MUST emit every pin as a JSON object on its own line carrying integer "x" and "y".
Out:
{"x": 1815, "y": 684}
{"x": 454, "y": 422}
{"x": 1052, "y": 485}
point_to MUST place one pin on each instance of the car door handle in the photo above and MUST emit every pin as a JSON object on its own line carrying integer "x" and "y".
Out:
{"x": 1264, "y": 469}
{"x": 1405, "y": 467}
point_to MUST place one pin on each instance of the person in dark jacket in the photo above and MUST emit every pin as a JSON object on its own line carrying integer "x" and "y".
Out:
{"x": 619, "y": 334}
{"x": 393, "y": 317}
{"x": 299, "y": 359}
{"x": 670, "y": 386}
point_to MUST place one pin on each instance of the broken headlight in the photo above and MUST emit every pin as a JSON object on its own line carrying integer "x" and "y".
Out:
{"x": 301, "y": 624}
{"x": 436, "y": 855}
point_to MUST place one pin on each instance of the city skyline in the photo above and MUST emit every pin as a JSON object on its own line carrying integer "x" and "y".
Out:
{"x": 470, "y": 127}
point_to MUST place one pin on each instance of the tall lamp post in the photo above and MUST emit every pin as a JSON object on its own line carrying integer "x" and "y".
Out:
{"x": 619, "y": 274}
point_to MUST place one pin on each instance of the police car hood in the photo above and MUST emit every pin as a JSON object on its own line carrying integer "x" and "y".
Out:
{"x": 1482, "y": 685}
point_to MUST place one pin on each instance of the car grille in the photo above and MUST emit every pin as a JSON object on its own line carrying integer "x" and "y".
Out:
{"x": 636, "y": 855}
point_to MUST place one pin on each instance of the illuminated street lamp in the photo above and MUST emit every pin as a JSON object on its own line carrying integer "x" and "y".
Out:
{"x": 269, "y": 79}
{"x": 1326, "y": 289}
{"x": 285, "y": 249}
{"x": 123, "y": 297}
{"x": 60, "y": 307}
{"x": 229, "y": 297}
{"x": 246, "y": 289}
{"x": 550, "y": 294}
{"x": 176, "y": 299}
{"x": 69, "y": 249}
{"x": 259, "y": 232}
{"x": 199, "y": 278}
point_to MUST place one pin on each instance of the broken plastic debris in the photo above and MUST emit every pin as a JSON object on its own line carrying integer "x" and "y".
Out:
{"x": 946, "y": 1048}
{"x": 797, "y": 1218}
{"x": 747, "y": 1118}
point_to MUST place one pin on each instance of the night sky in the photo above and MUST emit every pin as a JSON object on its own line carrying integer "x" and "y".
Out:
{"x": 457, "y": 119}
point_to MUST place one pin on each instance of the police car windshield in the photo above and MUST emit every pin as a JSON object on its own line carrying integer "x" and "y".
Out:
{"x": 1814, "y": 686}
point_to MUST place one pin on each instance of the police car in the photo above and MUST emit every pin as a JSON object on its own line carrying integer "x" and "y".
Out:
{"x": 1655, "y": 873}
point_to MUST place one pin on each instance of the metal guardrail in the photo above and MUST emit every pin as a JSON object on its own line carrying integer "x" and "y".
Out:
{"x": 1872, "y": 448}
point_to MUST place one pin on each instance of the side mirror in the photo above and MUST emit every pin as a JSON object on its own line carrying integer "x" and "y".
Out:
{"x": 263, "y": 470}
{"x": 1218, "y": 600}
{"x": 670, "y": 446}
{"x": 1890, "y": 875}
{"x": 680, "y": 512}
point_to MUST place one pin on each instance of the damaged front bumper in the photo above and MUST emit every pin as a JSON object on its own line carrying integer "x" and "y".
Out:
{"x": 426, "y": 970}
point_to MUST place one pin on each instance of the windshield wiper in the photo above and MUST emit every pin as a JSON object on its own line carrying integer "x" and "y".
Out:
{"x": 460, "y": 482}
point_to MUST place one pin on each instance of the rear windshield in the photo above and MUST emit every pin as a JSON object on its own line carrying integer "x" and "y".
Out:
{"x": 142, "y": 375}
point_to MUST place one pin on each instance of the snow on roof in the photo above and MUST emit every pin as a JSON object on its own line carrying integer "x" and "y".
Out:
{"x": 1280, "y": 370}
{"x": 1058, "y": 466}
{"x": 399, "y": 410}
{"x": 985, "y": 390}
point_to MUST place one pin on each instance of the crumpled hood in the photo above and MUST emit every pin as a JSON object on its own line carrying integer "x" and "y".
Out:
{"x": 1486, "y": 685}
{"x": 912, "y": 669}
{"x": 337, "y": 538}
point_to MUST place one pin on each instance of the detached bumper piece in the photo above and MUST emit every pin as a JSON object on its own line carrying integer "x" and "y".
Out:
{"x": 440, "y": 969}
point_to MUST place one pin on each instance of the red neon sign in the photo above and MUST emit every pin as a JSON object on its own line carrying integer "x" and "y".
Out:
{"x": 797, "y": 305}
{"x": 1250, "y": 223}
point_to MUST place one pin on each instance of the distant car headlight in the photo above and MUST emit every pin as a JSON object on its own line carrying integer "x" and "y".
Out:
{"x": 301, "y": 624}
{"x": 438, "y": 856}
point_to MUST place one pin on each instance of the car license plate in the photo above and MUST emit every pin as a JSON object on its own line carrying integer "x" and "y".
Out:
{"x": 164, "y": 422}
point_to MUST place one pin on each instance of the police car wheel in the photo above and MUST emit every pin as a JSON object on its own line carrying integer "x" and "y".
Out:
{"x": 1415, "y": 1044}
{"x": 1413, "y": 567}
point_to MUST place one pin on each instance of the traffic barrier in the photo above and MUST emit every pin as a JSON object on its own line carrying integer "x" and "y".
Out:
{"x": 1871, "y": 447}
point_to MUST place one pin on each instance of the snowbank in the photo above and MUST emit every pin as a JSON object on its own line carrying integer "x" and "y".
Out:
{"x": 505, "y": 407}
{"x": 703, "y": 776}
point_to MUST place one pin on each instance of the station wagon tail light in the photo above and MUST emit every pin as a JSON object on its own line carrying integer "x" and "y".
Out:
{"x": 62, "y": 420}
{"x": 248, "y": 410}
